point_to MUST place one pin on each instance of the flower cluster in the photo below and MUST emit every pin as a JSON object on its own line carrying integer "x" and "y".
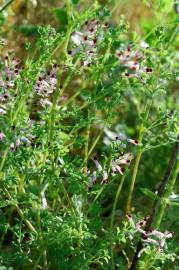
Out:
{"x": 151, "y": 236}
{"x": 87, "y": 40}
{"x": 46, "y": 85}
{"x": 117, "y": 165}
{"x": 8, "y": 77}
{"x": 134, "y": 63}
{"x": 125, "y": 159}
{"x": 10, "y": 72}
{"x": 24, "y": 137}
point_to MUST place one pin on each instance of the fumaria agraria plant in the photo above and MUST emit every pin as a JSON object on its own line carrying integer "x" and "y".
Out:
{"x": 88, "y": 121}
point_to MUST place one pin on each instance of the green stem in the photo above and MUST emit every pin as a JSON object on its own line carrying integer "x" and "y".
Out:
{"x": 37, "y": 261}
{"x": 3, "y": 159}
{"x": 92, "y": 147}
{"x": 71, "y": 205}
{"x": 139, "y": 155}
{"x": 87, "y": 145}
{"x": 45, "y": 263}
{"x": 134, "y": 174}
{"x": 70, "y": 25}
{"x": 6, "y": 5}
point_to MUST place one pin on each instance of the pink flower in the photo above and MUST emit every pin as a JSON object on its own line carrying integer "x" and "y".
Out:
{"x": 129, "y": 217}
{"x": 120, "y": 169}
{"x": 152, "y": 236}
{"x": 47, "y": 83}
{"x": 105, "y": 177}
{"x": 92, "y": 179}
{"x": 124, "y": 159}
{"x": 87, "y": 39}
{"x": 11, "y": 72}
{"x": 122, "y": 137}
{"x": 135, "y": 142}
{"x": 134, "y": 62}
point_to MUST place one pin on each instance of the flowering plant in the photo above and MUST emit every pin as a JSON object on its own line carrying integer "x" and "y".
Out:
{"x": 88, "y": 128}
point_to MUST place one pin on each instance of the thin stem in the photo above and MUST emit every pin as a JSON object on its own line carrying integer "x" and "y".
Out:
{"x": 139, "y": 155}
{"x": 96, "y": 197}
{"x": 65, "y": 44}
{"x": 94, "y": 143}
{"x": 87, "y": 145}
{"x": 6, "y": 5}
{"x": 69, "y": 10}
{"x": 134, "y": 175}
{"x": 70, "y": 25}
{"x": 37, "y": 261}
{"x": 92, "y": 147}
{"x": 165, "y": 199}
{"x": 4, "y": 158}
{"x": 45, "y": 263}
{"x": 71, "y": 204}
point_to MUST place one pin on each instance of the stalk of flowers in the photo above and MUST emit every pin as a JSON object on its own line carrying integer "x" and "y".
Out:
{"x": 8, "y": 77}
{"x": 151, "y": 236}
{"x": 134, "y": 62}
{"x": 46, "y": 85}
{"x": 87, "y": 40}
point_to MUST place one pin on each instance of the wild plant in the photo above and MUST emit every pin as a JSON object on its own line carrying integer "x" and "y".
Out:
{"x": 83, "y": 120}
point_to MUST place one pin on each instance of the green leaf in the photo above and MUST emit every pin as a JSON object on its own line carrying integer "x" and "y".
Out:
{"x": 75, "y": 2}
{"x": 6, "y": 203}
{"x": 173, "y": 203}
{"x": 28, "y": 30}
{"x": 61, "y": 15}
{"x": 149, "y": 193}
